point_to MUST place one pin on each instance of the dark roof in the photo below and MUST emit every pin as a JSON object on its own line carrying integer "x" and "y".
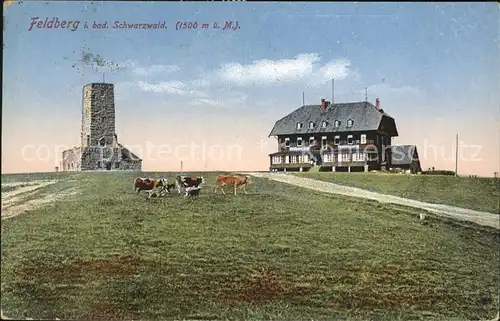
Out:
{"x": 292, "y": 152}
{"x": 404, "y": 154}
{"x": 365, "y": 116}
{"x": 127, "y": 154}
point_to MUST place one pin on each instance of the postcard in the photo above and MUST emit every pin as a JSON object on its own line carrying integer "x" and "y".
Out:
{"x": 250, "y": 161}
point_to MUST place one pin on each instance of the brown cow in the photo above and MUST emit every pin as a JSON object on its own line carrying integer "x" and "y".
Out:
{"x": 149, "y": 184}
{"x": 237, "y": 181}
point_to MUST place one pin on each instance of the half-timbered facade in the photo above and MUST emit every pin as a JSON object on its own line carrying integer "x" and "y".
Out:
{"x": 337, "y": 137}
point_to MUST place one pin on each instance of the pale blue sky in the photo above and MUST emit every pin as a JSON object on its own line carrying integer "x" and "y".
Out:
{"x": 425, "y": 61}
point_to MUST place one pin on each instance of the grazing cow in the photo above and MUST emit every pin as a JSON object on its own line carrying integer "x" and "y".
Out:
{"x": 152, "y": 194}
{"x": 192, "y": 191}
{"x": 237, "y": 181}
{"x": 183, "y": 182}
{"x": 149, "y": 184}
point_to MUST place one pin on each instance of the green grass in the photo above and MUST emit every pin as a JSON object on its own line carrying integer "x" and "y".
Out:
{"x": 281, "y": 253}
{"x": 29, "y": 177}
{"x": 13, "y": 188}
{"x": 481, "y": 194}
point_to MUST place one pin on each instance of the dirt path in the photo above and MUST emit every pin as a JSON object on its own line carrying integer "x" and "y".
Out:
{"x": 14, "y": 202}
{"x": 482, "y": 218}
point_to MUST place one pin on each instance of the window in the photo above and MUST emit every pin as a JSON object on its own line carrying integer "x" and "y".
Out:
{"x": 102, "y": 142}
{"x": 336, "y": 124}
{"x": 299, "y": 141}
{"x": 344, "y": 157}
{"x": 98, "y": 164}
{"x": 323, "y": 124}
{"x": 363, "y": 139}
{"x": 323, "y": 142}
{"x": 117, "y": 165}
{"x": 311, "y": 140}
{"x": 287, "y": 142}
{"x": 349, "y": 123}
{"x": 349, "y": 139}
{"x": 336, "y": 140}
{"x": 311, "y": 125}
{"x": 328, "y": 158}
{"x": 358, "y": 157}
{"x": 88, "y": 140}
{"x": 299, "y": 125}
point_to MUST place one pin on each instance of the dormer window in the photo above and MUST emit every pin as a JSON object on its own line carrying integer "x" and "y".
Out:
{"x": 311, "y": 125}
{"x": 323, "y": 124}
{"x": 337, "y": 123}
{"x": 299, "y": 125}
{"x": 349, "y": 123}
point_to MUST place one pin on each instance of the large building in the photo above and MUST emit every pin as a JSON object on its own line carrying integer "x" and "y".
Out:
{"x": 353, "y": 136}
{"x": 99, "y": 149}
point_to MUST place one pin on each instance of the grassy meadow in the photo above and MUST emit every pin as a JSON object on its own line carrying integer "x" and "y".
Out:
{"x": 481, "y": 194}
{"x": 281, "y": 253}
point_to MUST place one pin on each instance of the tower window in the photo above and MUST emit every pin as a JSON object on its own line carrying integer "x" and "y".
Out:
{"x": 102, "y": 142}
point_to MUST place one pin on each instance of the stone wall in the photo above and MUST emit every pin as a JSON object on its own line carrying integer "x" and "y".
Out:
{"x": 71, "y": 159}
{"x": 95, "y": 158}
{"x": 98, "y": 115}
{"x": 131, "y": 165}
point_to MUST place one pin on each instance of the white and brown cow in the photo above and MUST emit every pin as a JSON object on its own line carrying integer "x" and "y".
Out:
{"x": 149, "y": 184}
{"x": 184, "y": 182}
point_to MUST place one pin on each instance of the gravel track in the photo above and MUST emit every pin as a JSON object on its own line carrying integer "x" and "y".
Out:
{"x": 482, "y": 218}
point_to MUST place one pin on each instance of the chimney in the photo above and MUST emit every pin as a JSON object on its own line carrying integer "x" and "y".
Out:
{"x": 377, "y": 103}
{"x": 324, "y": 104}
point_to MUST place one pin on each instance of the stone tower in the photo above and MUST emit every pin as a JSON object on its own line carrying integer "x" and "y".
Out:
{"x": 99, "y": 148}
{"x": 98, "y": 116}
